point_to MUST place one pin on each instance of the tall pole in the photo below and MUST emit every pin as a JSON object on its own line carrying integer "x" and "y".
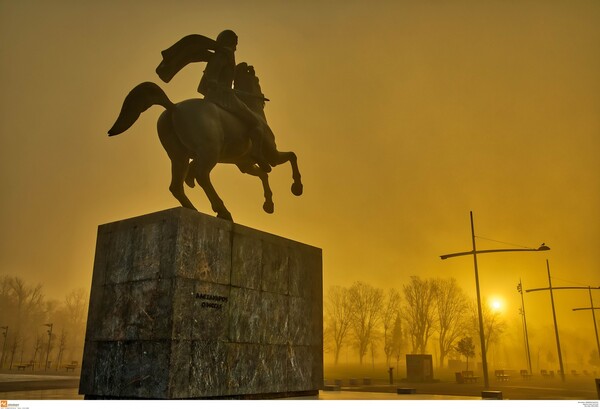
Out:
{"x": 486, "y": 380}
{"x": 589, "y": 288}
{"x": 594, "y": 317}
{"x": 474, "y": 251}
{"x": 520, "y": 289}
{"x": 48, "y": 349}
{"x": 560, "y": 361}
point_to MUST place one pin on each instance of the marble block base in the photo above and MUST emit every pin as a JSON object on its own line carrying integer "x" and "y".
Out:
{"x": 185, "y": 305}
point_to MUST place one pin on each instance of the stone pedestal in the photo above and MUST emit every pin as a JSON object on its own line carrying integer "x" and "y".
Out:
{"x": 185, "y": 305}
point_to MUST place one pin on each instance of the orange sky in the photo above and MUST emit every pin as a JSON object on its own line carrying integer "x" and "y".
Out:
{"x": 405, "y": 115}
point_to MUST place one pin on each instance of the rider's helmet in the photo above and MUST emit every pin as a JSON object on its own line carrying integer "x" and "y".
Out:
{"x": 227, "y": 38}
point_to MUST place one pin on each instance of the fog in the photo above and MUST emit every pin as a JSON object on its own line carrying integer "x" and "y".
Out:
{"x": 405, "y": 116}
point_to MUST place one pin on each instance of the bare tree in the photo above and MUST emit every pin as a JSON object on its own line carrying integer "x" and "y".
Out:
{"x": 17, "y": 340}
{"x": 337, "y": 318}
{"x": 5, "y": 301}
{"x": 75, "y": 314}
{"x": 37, "y": 346}
{"x": 76, "y": 307}
{"x": 22, "y": 349}
{"x": 389, "y": 314}
{"x": 24, "y": 304}
{"x": 451, "y": 305}
{"x": 28, "y": 299}
{"x": 493, "y": 324}
{"x": 366, "y": 303}
{"x": 61, "y": 347}
{"x": 420, "y": 312}
{"x": 373, "y": 344}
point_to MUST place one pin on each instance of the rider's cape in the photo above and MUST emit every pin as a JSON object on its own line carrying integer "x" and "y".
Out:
{"x": 191, "y": 48}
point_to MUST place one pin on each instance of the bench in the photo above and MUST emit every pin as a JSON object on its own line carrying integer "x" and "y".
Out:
{"x": 501, "y": 375}
{"x": 525, "y": 374}
{"x": 468, "y": 377}
{"x": 71, "y": 367}
{"x": 23, "y": 366}
{"x": 547, "y": 374}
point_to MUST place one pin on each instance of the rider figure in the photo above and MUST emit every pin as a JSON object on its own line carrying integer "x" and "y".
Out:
{"x": 216, "y": 86}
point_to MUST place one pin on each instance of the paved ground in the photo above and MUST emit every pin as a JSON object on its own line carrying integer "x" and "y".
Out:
{"x": 63, "y": 386}
{"x": 38, "y": 386}
{"x": 581, "y": 389}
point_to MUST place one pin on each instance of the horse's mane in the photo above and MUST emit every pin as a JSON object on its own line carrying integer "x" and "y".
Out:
{"x": 245, "y": 78}
{"x": 246, "y": 81}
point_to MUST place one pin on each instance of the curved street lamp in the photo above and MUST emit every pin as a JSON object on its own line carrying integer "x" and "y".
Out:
{"x": 474, "y": 252}
{"x": 543, "y": 247}
{"x": 560, "y": 361}
{"x": 592, "y": 308}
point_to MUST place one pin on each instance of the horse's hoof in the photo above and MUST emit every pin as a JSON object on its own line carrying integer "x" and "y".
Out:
{"x": 297, "y": 189}
{"x": 269, "y": 207}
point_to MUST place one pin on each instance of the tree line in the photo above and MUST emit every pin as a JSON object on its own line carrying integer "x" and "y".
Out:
{"x": 34, "y": 328}
{"x": 372, "y": 321}
{"x": 425, "y": 313}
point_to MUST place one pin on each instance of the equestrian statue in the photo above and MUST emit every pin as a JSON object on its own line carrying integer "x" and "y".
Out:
{"x": 228, "y": 125}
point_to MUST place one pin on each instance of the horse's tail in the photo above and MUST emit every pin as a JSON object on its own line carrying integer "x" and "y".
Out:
{"x": 137, "y": 101}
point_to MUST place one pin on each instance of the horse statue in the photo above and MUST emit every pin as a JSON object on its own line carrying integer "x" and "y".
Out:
{"x": 197, "y": 134}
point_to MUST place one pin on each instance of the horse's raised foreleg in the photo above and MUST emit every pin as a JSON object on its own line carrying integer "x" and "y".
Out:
{"x": 203, "y": 179}
{"x": 277, "y": 158}
{"x": 254, "y": 170}
{"x": 178, "y": 172}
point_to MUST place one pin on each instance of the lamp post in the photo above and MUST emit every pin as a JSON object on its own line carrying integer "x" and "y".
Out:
{"x": 49, "y": 339}
{"x": 560, "y": 361}
{"x": 3, "y": 345}
{"x": 474, "y": 252}
{"x": 593, "y": 317}
{"x": 520, "y": 290}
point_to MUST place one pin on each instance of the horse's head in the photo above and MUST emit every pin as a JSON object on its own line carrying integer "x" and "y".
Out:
{"x": 246, "y": 82}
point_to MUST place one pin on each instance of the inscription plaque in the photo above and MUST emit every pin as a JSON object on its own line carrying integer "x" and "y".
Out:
{"x": 211, "y": 300}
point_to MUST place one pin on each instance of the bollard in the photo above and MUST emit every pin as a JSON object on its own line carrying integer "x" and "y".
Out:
{"x": 391, "y": 372}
